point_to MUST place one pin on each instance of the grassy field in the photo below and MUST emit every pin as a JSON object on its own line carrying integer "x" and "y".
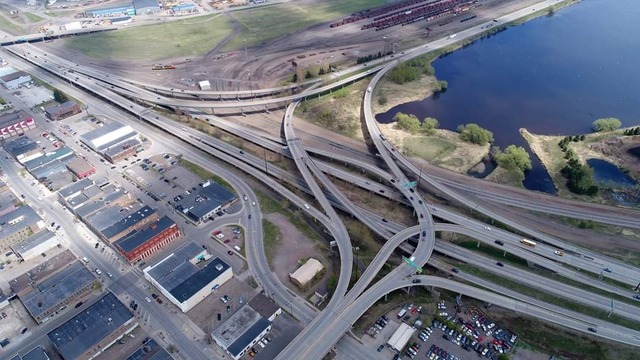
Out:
{"x": 428, "y": 147}
{"x": 33, "y": 17}
{"x": 205, "y": 174}
{"x": 271, "y": 239}
{"x": 9, "y": 26}
{"x": 189, "y": 37}
{"x": 268, "y": 205}
{"x": 267, "y": 23}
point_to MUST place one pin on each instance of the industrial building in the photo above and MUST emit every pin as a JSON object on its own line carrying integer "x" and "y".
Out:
{"x": 62, "y": 111}
{"x": 14, "y": 80}
{"x": 73, "y": 189}
{"x": 35, "y": 245}
{"x": 150, "y": 350}
{"x": 18, "y": 225}
{"x": 204, "y": 85}
{"x": 114, "y": 141}
{"x": 134, "y": 221}
{"x": 94, "y": 330}
{"x": 16, "y": 123}
{"x": 248, "y": 325}
{"x": 188, "y": 275}
{"x": 306, "y": 273}
{"x": 67, "y": 286}
{"x": 401, "y": 337}
{"x": 23, "y": 149}
{"x": 122, "y": 9}
{"x": 205, "y": 201}
{"x": 36, "y": 353}
{"x": 81, "y": 168}
{"x": 140, "y": 244}
{"x": 146, "y": 7}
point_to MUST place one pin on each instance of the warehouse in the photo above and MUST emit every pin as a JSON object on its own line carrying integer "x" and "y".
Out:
{"x": 62, "y": 111}
{"x": 81, "y": 168}
{"x": 140, "y": 244}
{"x": 23, "y": 149}
{"x": 16, "y": 123}
{"x": 241, "y": 331}
{"x": 18, "y": 225}
{"x": 73, "y": 189}
{"x": 401, "y": 337}
{"x": 95, "y": 329}
{"x": 14, "y": 80}
{"x": 188, "y": 275}
{"x": 35, "y": 245}
{"x": 146, "y": 7}
{"x": 122, "y": 9}
{"x": 65, "y": 287}
{"x": 205, "y": 201}
{"x": 108, "y": 135}
{"x": 48, "y": 158}
{"x": 305, "y": 273}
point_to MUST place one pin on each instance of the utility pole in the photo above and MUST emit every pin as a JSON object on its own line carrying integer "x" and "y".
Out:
{"x": 244, "y": 41}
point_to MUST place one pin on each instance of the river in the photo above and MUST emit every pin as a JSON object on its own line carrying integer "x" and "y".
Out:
{"x": 552, "y": 75}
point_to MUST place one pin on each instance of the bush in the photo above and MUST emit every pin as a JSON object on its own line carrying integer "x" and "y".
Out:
{"x": 475, "y": 134}
{"x": 606, "y": 124}
{"x": 579, "y": 178}
{"x": 512, "y": 158}
{"x": 406, "y": 122}
{"x": 59, "y": 96}
{"x": 429, "y": 125}
{"x": 382, "y": 100}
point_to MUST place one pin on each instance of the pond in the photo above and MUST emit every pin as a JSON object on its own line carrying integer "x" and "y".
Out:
{"x": 606, "y": 172}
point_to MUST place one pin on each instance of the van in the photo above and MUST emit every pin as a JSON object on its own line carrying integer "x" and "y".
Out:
{"x": 86, "y": 261}
{"x": 237, "y": 248}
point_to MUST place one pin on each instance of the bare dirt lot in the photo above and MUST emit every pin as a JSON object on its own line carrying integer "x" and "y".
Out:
{"x": 298, "y": 247}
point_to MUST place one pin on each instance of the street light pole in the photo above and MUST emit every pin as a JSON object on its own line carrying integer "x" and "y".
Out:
{"x": 356, "y": 249}
{"x": 384, "y": 49}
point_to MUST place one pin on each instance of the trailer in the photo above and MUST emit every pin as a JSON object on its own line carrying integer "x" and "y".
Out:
{"x": 401, "y": 337}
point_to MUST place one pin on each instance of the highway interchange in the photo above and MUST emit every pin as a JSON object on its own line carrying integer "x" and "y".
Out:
{"x": 324, "y": 329}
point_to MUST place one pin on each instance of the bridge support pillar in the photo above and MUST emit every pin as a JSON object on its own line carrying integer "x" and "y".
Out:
{"x": 266, "y": 109}
{"x": 213, "y": 111}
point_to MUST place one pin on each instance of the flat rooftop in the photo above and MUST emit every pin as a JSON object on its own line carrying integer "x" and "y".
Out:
{"x": 12, "y": 118}
{"x": 150, "y": 350}
{"x": 85, "y": 330}
{"x": 58, "y": 287}
{"x": 33, "y": 241}
{"x": 75, "y": 187}
{"x": 37, "y": 353}
{"x": 138, "y": 238}
{"x": 17, "y": 220}
{"x": 20, "y": 145}
{"x": 205, "y": 199}
{"x": 240, "y": 329}
{"x": 263, "y": 305}
{"x": 79, "y": 166}
{"x": 127, "y": 222}
{"x": 41, "y": 272}
{"x": 182, "y": 276}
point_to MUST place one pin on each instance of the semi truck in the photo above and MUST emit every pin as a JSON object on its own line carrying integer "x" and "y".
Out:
{"x": 162, "y": 67}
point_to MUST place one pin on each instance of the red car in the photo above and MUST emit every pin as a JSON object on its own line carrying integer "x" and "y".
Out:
{"x": 226, "y": 241}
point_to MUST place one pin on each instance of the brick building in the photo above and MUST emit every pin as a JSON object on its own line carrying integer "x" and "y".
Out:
{"x": 141, "y": 244}
{"x": 62, "y": 111}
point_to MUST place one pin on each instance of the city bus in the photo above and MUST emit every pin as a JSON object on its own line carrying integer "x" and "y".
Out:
{"x": 528, "y": 242}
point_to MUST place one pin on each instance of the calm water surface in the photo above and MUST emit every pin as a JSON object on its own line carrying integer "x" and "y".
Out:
{"x": 551, "y": 75}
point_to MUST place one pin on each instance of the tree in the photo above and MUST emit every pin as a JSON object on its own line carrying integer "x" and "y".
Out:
{"x": 606, "y": 124}
{"x": 321, "y": 71}
{"x": 407, "y": 122}
{"x": 429, "y": 125}
{"x": 513, "y": 157}
{"x": 308, "y": 75}
{"x": 475, "y": 134}
{"x": 59, "y": 96}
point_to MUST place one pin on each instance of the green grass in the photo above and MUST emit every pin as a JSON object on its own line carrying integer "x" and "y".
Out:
{"x": 262, "y": 24}
{"x": 269, "y": 205}
{"x": 205, "y": 174}
{"x": 271, "y": 237}
{"x": 33, "y": 17}
{"x": 428, "y": 147}
{"x": 189, "y": 37}
{"x": 9, "y": 26}
{"x": 493, "y": 252}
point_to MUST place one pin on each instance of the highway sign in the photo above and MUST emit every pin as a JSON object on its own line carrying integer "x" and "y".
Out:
{"x": 409, "y": 184}
{"x": 410, "y": 262}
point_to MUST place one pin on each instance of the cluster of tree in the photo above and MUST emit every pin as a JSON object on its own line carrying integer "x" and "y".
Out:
{"x": 440, "y": 86}
{"x": 59, "y": 96}
{"x": 411, "y": 124}
{"x": 606, "y": 124}
{"x": 634, "y": 131}
{"x": 310, "y": 73}
{"x": 364, "y": 59}
{"x": 512, "y": 158}
{"x": 475, "y": 134}
{"x": 412, "y": 70}
{"x": 567, "y": 139}
{"x": 579, "y": 177}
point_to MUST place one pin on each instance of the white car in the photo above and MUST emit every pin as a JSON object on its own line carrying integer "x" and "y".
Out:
{"x": 98, "y": 272}
{"x": 147, "y": 299}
